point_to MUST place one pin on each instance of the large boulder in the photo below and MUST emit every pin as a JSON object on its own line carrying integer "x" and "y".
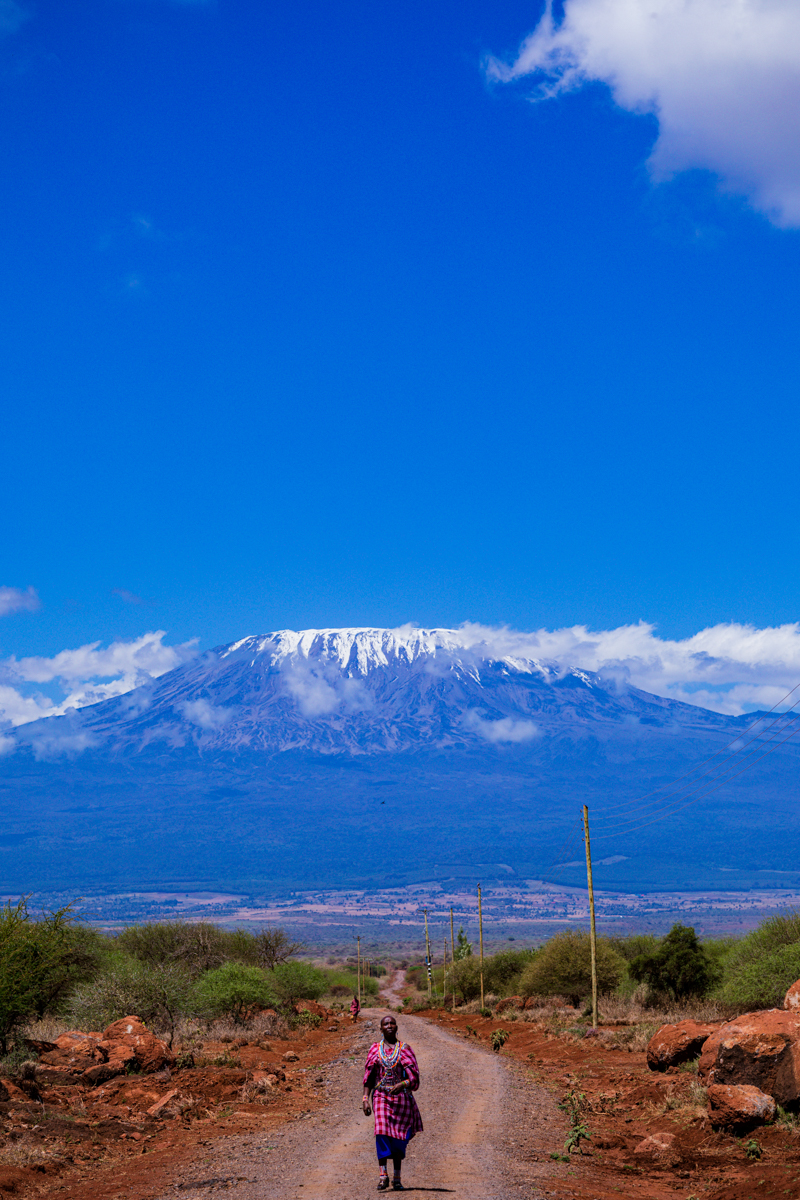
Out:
{"x": 73, "y": 1052}
{"x": 739, "y": 1107}
{"x": 676, "y": 1044}
{"x": 792, "y": 998}
{"x": 760, "y": 1050}
{"x": 127, "y": 1045}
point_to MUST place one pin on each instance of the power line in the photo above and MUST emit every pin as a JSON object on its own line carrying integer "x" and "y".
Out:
{"x": 697, "y": 766}
{"x": 715, "y": 772}
{"x": 689, "y": 803}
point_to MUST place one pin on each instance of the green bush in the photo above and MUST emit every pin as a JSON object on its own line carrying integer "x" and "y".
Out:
{"x": 502, "y": 972}
{"x": 159, "y": 994}
{"x": 345, "y": 983}
{"x": 759, "y": 968}
{"x": 233, "y": 990}
{"x": 760, "y": 982}
{"x": 40, "y": 962}
{"x": 677, "y": 966}
{"x": 563, "y": 968}
{"x": 293, "y": 981}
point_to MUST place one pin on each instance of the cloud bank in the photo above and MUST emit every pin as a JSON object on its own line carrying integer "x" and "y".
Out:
{"x": 729, "y": 668}
{"x": 84, "y": 676}
{"x": 721, "y": 76}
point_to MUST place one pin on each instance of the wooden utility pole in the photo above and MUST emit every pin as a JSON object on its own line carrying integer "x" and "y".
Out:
{"x": 358, "y": 968}
{"x": 453, "y": 960}
{"x": 428, "y": 958}
{"x": 592, "y": 927}
{"x": 480, "y": 935}
{"x": 444, "y": 976}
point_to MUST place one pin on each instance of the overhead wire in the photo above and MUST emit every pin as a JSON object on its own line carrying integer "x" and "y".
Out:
{"x": 716, "y": 772}
{"x": 689, "y": 803}
{"x": 632, "y": 803}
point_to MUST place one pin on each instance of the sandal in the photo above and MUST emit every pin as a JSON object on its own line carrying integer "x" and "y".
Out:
{"x": 383, "y": 1183}
{"x": 397, "y": 1186}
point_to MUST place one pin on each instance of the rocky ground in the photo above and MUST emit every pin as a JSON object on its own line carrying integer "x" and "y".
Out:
{"x": 494, "y": 1128}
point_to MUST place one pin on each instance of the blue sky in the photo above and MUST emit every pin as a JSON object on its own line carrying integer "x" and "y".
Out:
{"x": 309, "y": 322}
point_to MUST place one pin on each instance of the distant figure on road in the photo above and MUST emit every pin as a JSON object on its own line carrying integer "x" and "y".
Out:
{"x": 355, "y": 1009}
{"x": 391, "y": 1074}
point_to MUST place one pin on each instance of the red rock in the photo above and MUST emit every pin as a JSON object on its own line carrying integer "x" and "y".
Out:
{"x": 760, "y": 1049}
{"x": 658, "y": 1145}
{"x": 792, "y": 998}
{"x": 156, "y": 1108}
{"x": 128, "y": 1043}
{"x": 739, "y": 1106}
{"x": 675, "y": 1044}
{"x": 312, "y": 1007}
{"x": 509, "y": 1002}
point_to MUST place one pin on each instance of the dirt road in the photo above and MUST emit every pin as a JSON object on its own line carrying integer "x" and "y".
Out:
{"x": 485, "y": 1130}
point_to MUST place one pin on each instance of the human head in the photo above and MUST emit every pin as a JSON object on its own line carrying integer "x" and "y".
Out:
{"x": 389, "y": 1029}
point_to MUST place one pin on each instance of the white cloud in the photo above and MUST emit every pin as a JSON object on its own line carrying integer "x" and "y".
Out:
{"x": 206, "y": 715}
{"x": 15, "y": 600}
{"x": 320, "y": 690}
{"x": 85, "y": 676}
{"x": 506, "y": 729}
{"x": 729, "y": 668}
{"x": 721, "y": 76}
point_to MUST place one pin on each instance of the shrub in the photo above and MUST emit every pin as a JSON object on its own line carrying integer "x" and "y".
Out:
{"x": 761, "y": 982}
{"x": 40, "y": 961}
{"x": 677, "y": 966}
{"x": 159, "y": 994}
{"x": 233, "y": 990}
{"x": 759, "y": 968}
{"x": 293, "y": 981}
{"x": 563, "y": 968}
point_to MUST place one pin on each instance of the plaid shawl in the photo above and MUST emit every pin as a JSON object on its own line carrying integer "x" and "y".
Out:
{"x": 395, "y": 1116}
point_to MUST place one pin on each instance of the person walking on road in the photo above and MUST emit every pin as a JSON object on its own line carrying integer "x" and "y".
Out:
{"x": 355, "y": 1009}
{"x": 391, "y": 1075}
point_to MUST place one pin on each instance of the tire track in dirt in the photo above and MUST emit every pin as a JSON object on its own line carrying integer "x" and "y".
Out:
{"x": 484, "y": 1126}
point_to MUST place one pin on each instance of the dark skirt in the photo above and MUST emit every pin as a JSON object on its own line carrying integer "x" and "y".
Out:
{"x": 391, "y": 1147}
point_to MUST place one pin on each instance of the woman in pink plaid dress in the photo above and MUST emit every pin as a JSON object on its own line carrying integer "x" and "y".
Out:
{"x": 391, "y": 1074}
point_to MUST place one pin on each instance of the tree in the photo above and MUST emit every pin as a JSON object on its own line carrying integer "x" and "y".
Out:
{"x": 563, "y": 968}
{"x": 159, "y": 994}
{"x": 40, "y": 960}
{"x": 677, "y": 966}
{"x": 273, "y": 947}
{"x": 233, "y": 990}
{"x": 463, "y": 947}
{"x": 293, "y": 981}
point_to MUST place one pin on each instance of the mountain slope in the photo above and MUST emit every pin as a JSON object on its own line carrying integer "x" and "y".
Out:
{"x": 294, "y": 759}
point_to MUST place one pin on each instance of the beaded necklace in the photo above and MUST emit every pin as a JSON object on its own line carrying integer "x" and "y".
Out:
{"x": 389, "y": 1055}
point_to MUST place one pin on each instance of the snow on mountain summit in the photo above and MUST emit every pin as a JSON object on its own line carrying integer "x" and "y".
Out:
{"x": 360, "y": 691}
{"x": 361, "y": 650}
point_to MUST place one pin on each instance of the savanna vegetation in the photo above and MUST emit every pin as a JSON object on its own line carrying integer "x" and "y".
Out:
{"x": 167, "y": 973}
{"x": 639, "y": 977}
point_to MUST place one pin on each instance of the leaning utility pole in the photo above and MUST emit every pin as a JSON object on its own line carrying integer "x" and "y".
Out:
{"x": 480, "y": 934}
{"x": 358, "y": 969}
{"x": 592, "y": 928}
{"x": 428, "y": 958}
{"x": 453, "y": 960}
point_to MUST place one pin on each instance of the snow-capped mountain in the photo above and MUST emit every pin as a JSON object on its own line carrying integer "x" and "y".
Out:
{"x": 343, "y": 756}
{"x": 358, "y": 691}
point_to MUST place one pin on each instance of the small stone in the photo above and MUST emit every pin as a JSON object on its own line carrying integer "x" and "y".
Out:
{"x": 290, "y": 1056}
